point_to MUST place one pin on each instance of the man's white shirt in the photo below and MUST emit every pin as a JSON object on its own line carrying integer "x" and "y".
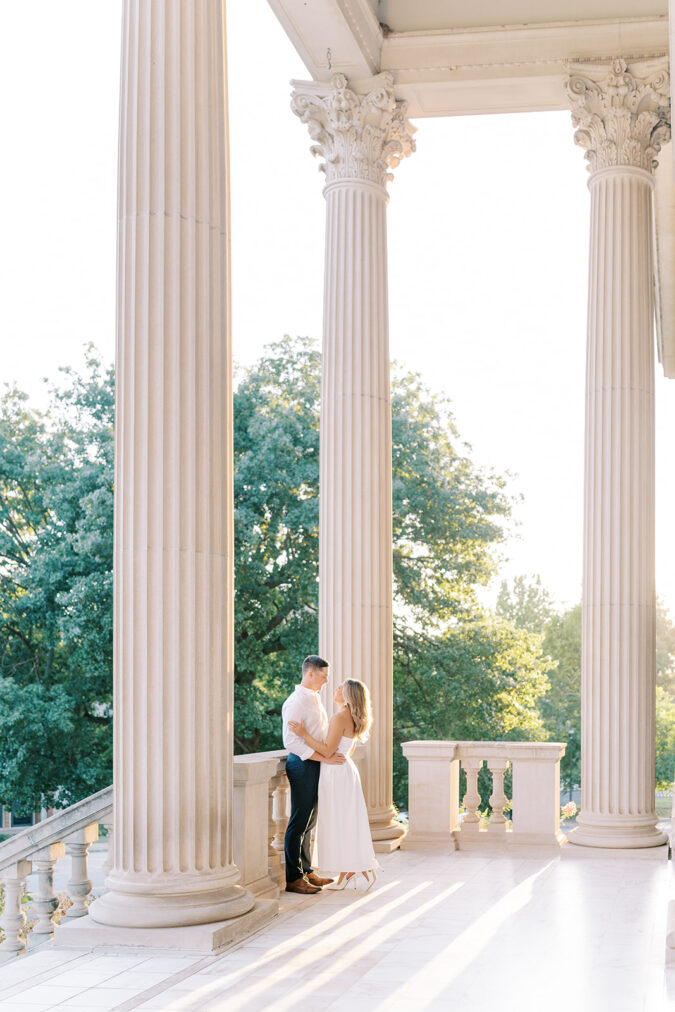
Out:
{"x": 304, "y": 705}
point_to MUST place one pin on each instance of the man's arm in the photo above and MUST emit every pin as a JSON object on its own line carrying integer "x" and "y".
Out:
{"x": 293, "y": 742}
{"x": 327, "y": 748}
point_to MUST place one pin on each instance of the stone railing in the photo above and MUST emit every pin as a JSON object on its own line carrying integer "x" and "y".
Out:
{"x": 670, "y": 927}
{"x": 37, "y": 849}
{"x": 260, "y": 817}
{"x": 434, "y": 801}
{"x": 261, "y": 810}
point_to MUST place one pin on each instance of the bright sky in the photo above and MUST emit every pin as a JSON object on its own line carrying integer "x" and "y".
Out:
{"x": 488, "y": 246}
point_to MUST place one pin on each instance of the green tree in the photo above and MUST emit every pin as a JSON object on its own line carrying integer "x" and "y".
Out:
{"x": 56, "y": 487}
{"x": 276, "y": 482}
{"x": 527, "y": 603}
{"x": 454, "y": 666}
{"x": 665, "y": 740}
{"x": 560, "y": 707}
{"x": 449, "y": 515}
{"x": 458, "y": 670}
{"x": 478, "y": 679}
{"x": 665, "y": 649}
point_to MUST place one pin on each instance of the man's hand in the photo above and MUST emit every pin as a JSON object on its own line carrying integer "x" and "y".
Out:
{"x": 336, "y": 759}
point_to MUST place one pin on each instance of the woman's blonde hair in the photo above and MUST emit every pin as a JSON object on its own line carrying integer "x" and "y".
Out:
{"x": 357, "y": 698}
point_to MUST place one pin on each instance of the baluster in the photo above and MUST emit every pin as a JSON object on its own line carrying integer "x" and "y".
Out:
{"x": 79, "y": 884}
{"x": 498, "y": 799}
{"x": 13, "y": 917}
{"x": 275, "y": 869}
{"x": 471, "y": 820}
{"x": 280, "y": 813}
{"x": 107, "y": 867}
{"x": 46, "y": 901}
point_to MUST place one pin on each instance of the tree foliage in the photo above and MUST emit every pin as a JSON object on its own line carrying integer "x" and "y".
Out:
{"x": 527, "y": 603}
{"x": 479, "y": 679}
{"x": 448, "y": 515}
{"x": 529, "y": 606}
{"x": 56, "y": 489}
{"x": 276, "y": 483}
{"x": 459, "y": 671}
{"x": 665, "y": 739}
{"x": 456, "y": 668}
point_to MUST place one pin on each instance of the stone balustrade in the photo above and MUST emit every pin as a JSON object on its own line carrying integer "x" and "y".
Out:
{"x": 261, "y": 811}
{"x": 434, "y": 795}
{"x": 670, "y": 929}
{"x": 37, "y": 849}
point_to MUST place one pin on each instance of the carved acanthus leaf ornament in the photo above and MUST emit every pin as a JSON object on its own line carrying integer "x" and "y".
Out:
{"x": 621, "y": 116}
{"x": 358, "y": 136}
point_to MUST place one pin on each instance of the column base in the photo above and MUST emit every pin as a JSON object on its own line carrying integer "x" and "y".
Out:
{"x": 175, "y": 902}
{"x": 428, "y": 841}
{"x": 264, "y": 888}
{"x": 388, "y": 846}
{"x": 572, "y": 853}
{"x": 618, "y": 832}
{"x": 386, "y": 833}
{"x": 510, "y": 843}
{"x": 670, "y": 935}
{"x": 86, "y": 933}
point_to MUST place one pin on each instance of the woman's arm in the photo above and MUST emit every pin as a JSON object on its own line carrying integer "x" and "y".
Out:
{"x": 335, "y": 729}
{"x": 337, "y": 759}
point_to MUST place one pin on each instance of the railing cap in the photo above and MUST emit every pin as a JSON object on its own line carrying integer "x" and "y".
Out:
{"x": 259, "y": 757}
{"x": 56, "y": 828}
{"x": 549, "y": 751}
{"x": 256, "y": 758}
{"x": 253, "y": 769}
{"x": 429, "y": 749}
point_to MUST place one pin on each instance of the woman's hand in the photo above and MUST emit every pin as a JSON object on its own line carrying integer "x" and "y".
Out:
{"x": 298, "y": 728}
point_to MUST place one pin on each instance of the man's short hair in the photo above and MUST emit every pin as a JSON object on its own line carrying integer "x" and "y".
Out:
{"x": 313, "y": 661}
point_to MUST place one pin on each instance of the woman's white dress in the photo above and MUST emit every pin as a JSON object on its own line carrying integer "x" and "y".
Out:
{"x": 343, "y": 841}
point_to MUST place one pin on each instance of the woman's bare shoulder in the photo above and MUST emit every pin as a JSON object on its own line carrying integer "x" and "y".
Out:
{"x": 342, "y": 718}
{"x": 348, "y": 725}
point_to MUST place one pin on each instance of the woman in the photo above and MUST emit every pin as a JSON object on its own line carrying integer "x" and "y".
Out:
{"x": 344, "y": 844}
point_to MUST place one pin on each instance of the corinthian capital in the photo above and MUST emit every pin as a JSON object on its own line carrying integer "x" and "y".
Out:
{"x": 621, "y": 115}
{"x": 359, "y": 136}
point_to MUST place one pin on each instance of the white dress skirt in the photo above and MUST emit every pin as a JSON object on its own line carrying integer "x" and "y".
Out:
{"x": 343, "y": 841}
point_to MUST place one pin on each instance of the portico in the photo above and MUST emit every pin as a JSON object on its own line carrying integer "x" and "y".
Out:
{"x": 441, "y": 64}
{"x": 173, "y": 552}
{"x": 372, "y": 67}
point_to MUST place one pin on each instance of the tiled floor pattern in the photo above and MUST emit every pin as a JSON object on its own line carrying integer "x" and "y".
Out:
{"x": 437, "y": 932}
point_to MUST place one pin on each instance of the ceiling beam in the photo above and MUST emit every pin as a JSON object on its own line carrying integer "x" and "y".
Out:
{"x": 332, "y": 36}
{"x": 508, "y": 69}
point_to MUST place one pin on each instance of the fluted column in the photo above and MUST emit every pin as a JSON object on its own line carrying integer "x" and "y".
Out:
{"x": 173, "y": 504}
{"x": 621, "y": 117}
{"x": 361, "y": 137}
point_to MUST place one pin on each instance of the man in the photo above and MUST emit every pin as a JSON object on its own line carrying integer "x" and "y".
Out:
{"x": 302, "y": 770}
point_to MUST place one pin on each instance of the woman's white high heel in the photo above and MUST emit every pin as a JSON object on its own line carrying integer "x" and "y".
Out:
{"x": 359, "y": 881}
{"x": 344, "y": 883}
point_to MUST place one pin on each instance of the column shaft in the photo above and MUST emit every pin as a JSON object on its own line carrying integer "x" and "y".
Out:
{"x": 355, "y": 528}
{"x": 173, "y": 504}
{"x": 362, "y": 136}
{"x": 618, "y": 660}
{"x": 622, "y": 116}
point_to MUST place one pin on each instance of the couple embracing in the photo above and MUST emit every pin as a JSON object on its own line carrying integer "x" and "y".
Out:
{"x": 325, "y": 784}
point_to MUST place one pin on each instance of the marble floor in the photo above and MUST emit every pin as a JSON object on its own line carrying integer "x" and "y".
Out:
{"x": 437, "y": 931}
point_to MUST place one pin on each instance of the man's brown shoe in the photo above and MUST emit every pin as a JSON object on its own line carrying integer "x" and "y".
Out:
{"x": 316, "y": 880}
{"x": 301, "y": 885}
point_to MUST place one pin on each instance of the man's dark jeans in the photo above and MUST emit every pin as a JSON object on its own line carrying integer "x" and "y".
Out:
{"x": 303, "y": 777}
